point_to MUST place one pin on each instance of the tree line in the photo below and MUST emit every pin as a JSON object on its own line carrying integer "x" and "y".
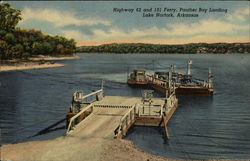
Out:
{"x": 192, "y": 48}
{"x": 23, "y": 43}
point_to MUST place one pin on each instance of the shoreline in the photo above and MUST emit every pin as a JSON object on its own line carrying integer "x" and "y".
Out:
{"x": 26, "y": 66}
{"x": 41, "y": 57}
{"x": 34, "y": 63}
{"x": 107, "y": 53}
{"x": 66, "y": 148}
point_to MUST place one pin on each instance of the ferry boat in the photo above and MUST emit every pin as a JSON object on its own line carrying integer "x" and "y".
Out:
{"x": 138, "y": 78}
{"x": 185, "y": 84}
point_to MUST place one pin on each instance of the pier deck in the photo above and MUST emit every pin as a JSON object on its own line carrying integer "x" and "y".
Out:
{"x": 112, "y": 116}
{"x": 101, "y": 123}
{"x": 128, "y": 102}
{"x": 108, "y": 112}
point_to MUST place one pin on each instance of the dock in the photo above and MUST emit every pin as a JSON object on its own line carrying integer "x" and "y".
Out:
{"x": 113, "y": 116}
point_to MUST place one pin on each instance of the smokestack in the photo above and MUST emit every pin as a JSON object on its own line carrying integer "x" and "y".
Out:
{"x": 189, "y": 62}
{"x": 210, "y": 78}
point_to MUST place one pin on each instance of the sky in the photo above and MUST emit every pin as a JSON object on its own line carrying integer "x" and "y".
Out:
{"x": 99, "y": 22}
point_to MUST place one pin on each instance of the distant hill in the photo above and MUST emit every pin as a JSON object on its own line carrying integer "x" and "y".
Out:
{"x": 194, "y": 48}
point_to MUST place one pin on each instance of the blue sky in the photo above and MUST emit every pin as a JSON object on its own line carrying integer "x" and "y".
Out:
{"x": 93, "y": 23}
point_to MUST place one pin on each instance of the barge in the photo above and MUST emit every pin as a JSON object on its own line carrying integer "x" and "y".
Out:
{"x": 185, "y": 84}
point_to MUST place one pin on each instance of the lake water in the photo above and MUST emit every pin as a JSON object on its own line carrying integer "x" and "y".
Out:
{"x": 202, "y": 127}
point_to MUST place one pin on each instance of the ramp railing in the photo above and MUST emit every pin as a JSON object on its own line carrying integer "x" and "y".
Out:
{"x": 93, "y": 93}
{"x": 171, "y": 101}
{"x": 79, "y": 117}
{"x": 156, "y": 81}
{"x": 126, "y": 122}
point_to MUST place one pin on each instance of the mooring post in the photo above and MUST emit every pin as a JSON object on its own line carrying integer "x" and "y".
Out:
{"x": 165, "y": 126}
{"x": 143, "y": 107}
{"x": 149, "y": 106}
{"x": 167, "y": 132}
{"x": 136, "y": 109}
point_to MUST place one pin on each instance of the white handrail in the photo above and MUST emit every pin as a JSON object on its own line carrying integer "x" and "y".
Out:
{"x": 133, "y": 108}
{"x": 78, "y": 114}
{"x": 93, "y": 93}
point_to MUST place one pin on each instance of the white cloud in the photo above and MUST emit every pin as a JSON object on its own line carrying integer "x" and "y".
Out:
{"x": 209, "y": 27}
{"x": 204, "y": 27}
{"x": 61, "y": 18}
{"x": 112, "y": 33}
{"x": 241, "y": 14}
{"x": 77, "y": 35}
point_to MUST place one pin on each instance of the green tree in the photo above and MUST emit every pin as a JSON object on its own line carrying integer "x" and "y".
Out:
{"x": 4, "y": 48}
{"x": 10, "y": 38}
{"x": 47, "y": 48}
{"x": 26, "y": 55}
{"x": 37, "y": 48}
{"x": 17, "y": 51}
{"x": 9, "y": 17}
{"x": 60, "y": 49}
{"x": 23, "y": 43}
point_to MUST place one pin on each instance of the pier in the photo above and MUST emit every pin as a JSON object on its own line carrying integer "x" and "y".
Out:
{"x": 113, "y": 116}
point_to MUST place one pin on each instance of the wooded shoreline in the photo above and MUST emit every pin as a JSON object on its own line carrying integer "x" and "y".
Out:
{"x": 193, "y": 48}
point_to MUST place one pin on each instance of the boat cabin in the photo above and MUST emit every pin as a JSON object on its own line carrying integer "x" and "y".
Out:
{"x": 139, "y": 75}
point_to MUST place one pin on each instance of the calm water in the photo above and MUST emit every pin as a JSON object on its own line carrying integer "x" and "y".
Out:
{"x": 202, "y": 127}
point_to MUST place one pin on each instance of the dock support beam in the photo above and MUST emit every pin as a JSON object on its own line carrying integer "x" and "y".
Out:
{"x": 165, "y": 126}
